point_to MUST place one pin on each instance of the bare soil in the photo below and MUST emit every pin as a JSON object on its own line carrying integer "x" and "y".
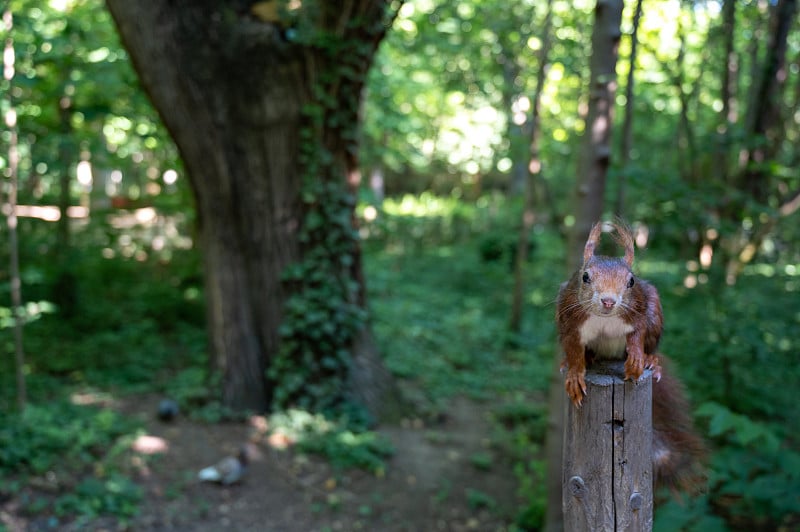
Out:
{"x": 432, "y": 482}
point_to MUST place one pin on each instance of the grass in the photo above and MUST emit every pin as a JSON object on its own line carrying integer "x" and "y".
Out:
{"x": 439, "y": 287}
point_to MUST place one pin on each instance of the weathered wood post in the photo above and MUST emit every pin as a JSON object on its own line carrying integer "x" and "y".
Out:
{"x": 608, "y": 465}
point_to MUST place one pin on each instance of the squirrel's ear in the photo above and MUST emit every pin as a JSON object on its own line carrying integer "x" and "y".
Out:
{"x": 591, "y": 242}
{"x": 625, "y": 239}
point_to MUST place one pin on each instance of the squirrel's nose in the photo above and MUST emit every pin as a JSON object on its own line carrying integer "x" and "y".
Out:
{"x": 608, "y": 302}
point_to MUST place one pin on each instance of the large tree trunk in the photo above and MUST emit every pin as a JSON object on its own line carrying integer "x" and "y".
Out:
{"x": 231, "y": 89}
{"x": 587, "y": 208}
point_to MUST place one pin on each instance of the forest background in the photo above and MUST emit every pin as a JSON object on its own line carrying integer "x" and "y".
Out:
{"x": 470, "y": 151}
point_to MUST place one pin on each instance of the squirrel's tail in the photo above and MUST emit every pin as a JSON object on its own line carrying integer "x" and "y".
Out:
{"x": 679, "y": 453}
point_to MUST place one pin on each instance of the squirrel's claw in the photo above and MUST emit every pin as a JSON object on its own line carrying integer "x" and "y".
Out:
{"x": 576, "y": 387}
{"x": 651, "y": 363}
{"x": 634, "y": 367}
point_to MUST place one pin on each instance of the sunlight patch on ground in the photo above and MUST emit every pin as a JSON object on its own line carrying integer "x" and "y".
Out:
{"x": 91, "y": 398}
{"x": 275, "y": 438}
{"x": 146, "y": 444}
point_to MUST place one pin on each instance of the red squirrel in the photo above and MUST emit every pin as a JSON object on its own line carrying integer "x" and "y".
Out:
{"x": 605, "y": 312}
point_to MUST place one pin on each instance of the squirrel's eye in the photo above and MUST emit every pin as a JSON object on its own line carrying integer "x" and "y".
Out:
{"x": 586, "y": 277}
{"x": 630, "y": 283}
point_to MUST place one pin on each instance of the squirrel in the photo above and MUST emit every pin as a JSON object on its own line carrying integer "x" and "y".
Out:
{"x": 604, "y": 311}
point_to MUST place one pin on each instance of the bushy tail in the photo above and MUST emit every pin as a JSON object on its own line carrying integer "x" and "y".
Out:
{"x": 679, "y": 453}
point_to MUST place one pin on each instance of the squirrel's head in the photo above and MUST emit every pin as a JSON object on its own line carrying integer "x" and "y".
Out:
{"x": 607, "y": 281}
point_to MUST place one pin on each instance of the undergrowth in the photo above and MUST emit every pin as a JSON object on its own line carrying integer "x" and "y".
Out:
{"x": 439, "y": 287}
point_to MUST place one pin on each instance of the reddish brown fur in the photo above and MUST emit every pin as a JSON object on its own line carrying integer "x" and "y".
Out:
{"x": 637, "y": 306}
{"x": 678, "y": 452}
{"x": 608, "y": 293}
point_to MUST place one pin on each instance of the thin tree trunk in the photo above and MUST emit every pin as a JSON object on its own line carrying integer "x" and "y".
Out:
{"x": 627, "y": 124}
{"x": 65, "y": 161}
{"x": 64, "y": 289}
{"x": 731, "y": 68}
{"x": 686, "y": 140}
{"x": 595, "y": 154}
{"x": 587, "y": 209}
{"x": 765, "y": 130}
{"x": 516, "y": 132}
{"x": 764, "y": 110}
{"x": 728, "y": 90}
{"x": 10, "y": 209}
{"x": 532, "y": 176}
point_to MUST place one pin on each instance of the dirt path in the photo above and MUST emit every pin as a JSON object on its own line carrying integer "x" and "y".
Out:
{"x": 431, "y": 483}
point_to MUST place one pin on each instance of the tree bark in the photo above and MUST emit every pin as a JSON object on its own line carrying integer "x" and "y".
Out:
{"x": 765, "y": 128}
{"x": 587, "y": 209}
{"x": 232, "y": 90}
{"x": 731, "y": 67}
{"x": 596, "y": 151}
{"x": 627, "y": 123}
{"x": 532, "y": 173}
{"x": 728, "y": 88}
{"x": 9, "y": 208}
{"x": 764, "y": 109}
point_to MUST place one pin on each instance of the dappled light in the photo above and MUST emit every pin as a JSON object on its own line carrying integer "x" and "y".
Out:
{"x": 146, "y": 444}
{"x": 324, "y": 243}
{"x": 50, "y": 213}
{"x": 95, "y": 398}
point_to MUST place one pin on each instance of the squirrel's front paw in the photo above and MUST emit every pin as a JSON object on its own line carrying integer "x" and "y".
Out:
{"x": 575, "y": 386}
{"x": 634, "y": 367}
{"x": 651, "y": 363}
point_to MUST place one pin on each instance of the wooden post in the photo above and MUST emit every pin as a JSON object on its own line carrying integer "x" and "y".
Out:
{"x": 608, "y": 464}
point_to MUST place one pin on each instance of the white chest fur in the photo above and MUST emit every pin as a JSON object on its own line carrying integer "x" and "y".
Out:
{"x": 605, "y": 335}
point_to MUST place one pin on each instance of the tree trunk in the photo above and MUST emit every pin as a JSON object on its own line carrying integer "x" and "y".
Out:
{"x": 587, "y": 209}
{"x": 730, "y": 68}
{"x": 764, "y": 109}
{"x": 728, "y": 89}
{"x": 765, "y": 128}
{"x": 9, "y": 208}
{"x": 532, "y": 173}
{"x": 64, "y": 290}
{"x": 596, "y": 151}
{"x": 627, "y": 123}
{"x": 65, "y": 160}
{"x": 233, "y": 91}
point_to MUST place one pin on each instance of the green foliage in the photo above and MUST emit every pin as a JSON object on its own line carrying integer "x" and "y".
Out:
{"x": 477, "y": 500}
{"x": 451, "y": 83}
{"x": 116, "y": 495}
{"x": 345, "y": 449}
{"x": 447, "y": 329}
{"x": 440, "y": 316}
{"x": 323, "y": 312}
{"x": 693, "y": 514}
{"x": 342, "y": 442}
{"x": 58, "y": 435}
{"x": 522, "y": 423}
{"x": 532, "y": 479}
{"x": 726, "y": 344}
{"x": 68, "y": 441}
{"x": 481, "y": 460}
{"x": 77, "y": 98}
{"x": 737, "y": 337}
{"x": 756, "y": 477}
